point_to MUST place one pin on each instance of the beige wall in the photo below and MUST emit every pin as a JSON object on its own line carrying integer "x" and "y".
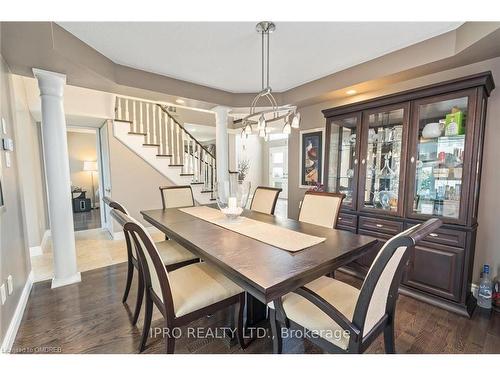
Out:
{"x": 82, "y": 147}
{"x": 487, "y": 245}
{"x": 14, "y": 258}
{"x": 134, "y": 183}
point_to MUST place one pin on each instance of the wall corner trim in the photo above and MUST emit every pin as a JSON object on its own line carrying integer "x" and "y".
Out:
{"x": 11, "y": 333}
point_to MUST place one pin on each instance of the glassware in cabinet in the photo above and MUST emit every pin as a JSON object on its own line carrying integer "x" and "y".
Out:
{"x": 343, "y": 143}
{"x": 382, "y": 165}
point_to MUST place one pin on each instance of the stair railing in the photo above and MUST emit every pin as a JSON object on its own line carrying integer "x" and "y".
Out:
{"x": 161, "y": 129}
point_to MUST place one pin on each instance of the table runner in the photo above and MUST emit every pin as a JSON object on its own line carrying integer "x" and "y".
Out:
{"x": 270, "y": 234}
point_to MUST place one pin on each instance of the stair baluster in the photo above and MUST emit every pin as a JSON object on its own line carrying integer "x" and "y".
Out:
{"x": 118, "y": 113}
{"x": 126, "y": 110}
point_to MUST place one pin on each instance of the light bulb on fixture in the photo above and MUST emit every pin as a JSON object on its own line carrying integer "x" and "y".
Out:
{"x": 262, "y": 122}
{"x": 296, "y": 120}
{"x": 262, "y": 132}
{"x": 287, "y": 129}
{"x": 248, "y": 129}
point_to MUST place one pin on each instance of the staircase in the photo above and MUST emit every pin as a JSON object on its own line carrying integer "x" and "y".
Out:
{"x": 151, "y": 132}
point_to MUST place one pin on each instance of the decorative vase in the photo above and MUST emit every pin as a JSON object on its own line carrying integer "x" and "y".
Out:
{"x": 232, "y": 196}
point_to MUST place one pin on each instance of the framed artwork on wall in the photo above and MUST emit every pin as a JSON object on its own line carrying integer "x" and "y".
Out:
{"x": 312, "y": 155}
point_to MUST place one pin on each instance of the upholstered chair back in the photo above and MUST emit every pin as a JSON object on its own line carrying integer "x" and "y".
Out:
{"x": 176, "y": 196}
{"x": 321, "y": 208}
{"x": 264, "y": 199}
{"x": 380, "y": 288}
{"x": 152, "y": 267}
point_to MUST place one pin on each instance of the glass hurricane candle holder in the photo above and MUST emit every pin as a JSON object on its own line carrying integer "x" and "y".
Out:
{"x": 232, "y": 196}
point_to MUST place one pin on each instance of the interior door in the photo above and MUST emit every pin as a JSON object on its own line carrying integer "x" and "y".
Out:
{"x": 342, "y": 158}
{"x": 278, "y": 169}
{"x": 440, "y": 155}
{"x": 382, "y": 168}
{"x": 105, "y": 177}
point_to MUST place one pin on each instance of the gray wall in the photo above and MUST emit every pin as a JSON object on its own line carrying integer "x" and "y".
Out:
{"x": 134, "y": 182}
{"x": 31, "y": 173}
{"x": 14, "y": 258}
{"x": 487, "y": 248}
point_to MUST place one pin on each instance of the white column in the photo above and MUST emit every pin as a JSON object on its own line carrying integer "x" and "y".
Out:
{"x": 55, "y": 151}
{"x": 221, "y": 143}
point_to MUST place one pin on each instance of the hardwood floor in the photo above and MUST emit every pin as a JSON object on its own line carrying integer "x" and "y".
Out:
{"x": 90, "y": 318}
{"x": 87, "y": 220}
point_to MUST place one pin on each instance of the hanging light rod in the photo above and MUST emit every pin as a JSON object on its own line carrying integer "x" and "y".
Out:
{"x": 275, "y": 112}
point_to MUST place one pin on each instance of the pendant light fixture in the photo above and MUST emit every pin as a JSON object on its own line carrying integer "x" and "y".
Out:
{"x": 263, "y": 119}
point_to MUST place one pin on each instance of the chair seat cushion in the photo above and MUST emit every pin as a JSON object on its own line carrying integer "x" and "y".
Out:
{"x": 340, "y": 295}
{"x": 171, "y": 252}
{"x": 198, "y": 285}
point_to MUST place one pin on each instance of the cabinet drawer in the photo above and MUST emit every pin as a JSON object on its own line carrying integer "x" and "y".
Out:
{"x": 436, "y": 270}
{"x": 347, "y": 220}
{"x": 448, "y": 237}
{"x": 380, "y": 225}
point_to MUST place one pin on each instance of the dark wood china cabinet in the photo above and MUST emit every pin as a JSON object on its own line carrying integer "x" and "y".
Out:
{"x": 403, "y": 158}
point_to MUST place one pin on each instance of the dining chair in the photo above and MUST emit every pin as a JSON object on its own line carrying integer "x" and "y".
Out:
{"x": 172, "y": 254}
{"x": 183, "y": 295}
{"x": 338, "y": 317}
{"x": 321, "y": 208}
{"x": 264, "y": 199}
{"x": 176, "y": 196}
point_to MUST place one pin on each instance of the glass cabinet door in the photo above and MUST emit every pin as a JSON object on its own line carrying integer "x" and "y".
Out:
{"x": 343, "y": 139}
{"x": 437, "y": 157}
{"x": 382, "y": 165}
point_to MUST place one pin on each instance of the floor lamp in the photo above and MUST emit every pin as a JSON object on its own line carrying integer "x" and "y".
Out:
{"x": 91, "y": 166}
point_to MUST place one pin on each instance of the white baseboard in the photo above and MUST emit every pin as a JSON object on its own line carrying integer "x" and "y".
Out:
{"x": 73, "y": 279}
{"x": 474, "y": 288}
{"x": 121, "y": 236}
{"x": 38, "y": 250}
{"x": 15, "y": 322}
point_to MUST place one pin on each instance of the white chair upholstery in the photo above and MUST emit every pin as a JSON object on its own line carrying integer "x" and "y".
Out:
{"x": 320, "y": 210}
{"x": 173, "y": 197}
{"x": 171, "y": 252}
{"x": 193, "y": 287}
{"x": 340, "y": 295}
{"x": 197, "y": 286}
{"x": 264, "y": 200}
{"x": 344, "y": 298}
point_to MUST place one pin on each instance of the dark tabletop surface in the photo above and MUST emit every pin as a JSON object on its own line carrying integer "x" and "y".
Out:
{"x": 265, "y": 271}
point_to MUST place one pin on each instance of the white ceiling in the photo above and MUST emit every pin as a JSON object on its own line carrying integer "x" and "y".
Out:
{"x": 226, "y": 55}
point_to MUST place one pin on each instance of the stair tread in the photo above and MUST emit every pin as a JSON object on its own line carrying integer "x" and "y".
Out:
{"x": 137, "y": 133}
{"x": 151, "y": 144}
{"x": 176, "y": 165}
{"x": 187, "y": 174}
{"x": 207, "y": 191}
{"x": 197, "y": 183}
{"x": 164, "y": 155}
{"x": 130, "y": 122}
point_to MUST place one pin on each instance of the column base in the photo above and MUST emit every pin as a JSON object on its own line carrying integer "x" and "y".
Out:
{"x": 73, "y": 279}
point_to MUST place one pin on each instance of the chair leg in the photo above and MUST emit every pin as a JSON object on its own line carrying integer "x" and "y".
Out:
{"x": 240, "y": 307}
{"x": 130, "y": 275}
{"x": 389, "y": 341}
{"x": 138, "y": 303}
{"x": 148, "y": 315}
{"x": 169, "y": 340}
{"x": 276, "y": 331}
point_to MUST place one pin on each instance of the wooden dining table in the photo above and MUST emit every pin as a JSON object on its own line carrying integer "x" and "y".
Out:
{"x": 264, "y": 271}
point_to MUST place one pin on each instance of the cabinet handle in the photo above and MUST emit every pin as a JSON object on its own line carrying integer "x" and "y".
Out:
{"x": 379, "y": 225}
{"x": 433, "y": 234}
{"x": 363, "y": 161}
{"x": 412, "y": 159}
{"x": 355, "y": 161}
